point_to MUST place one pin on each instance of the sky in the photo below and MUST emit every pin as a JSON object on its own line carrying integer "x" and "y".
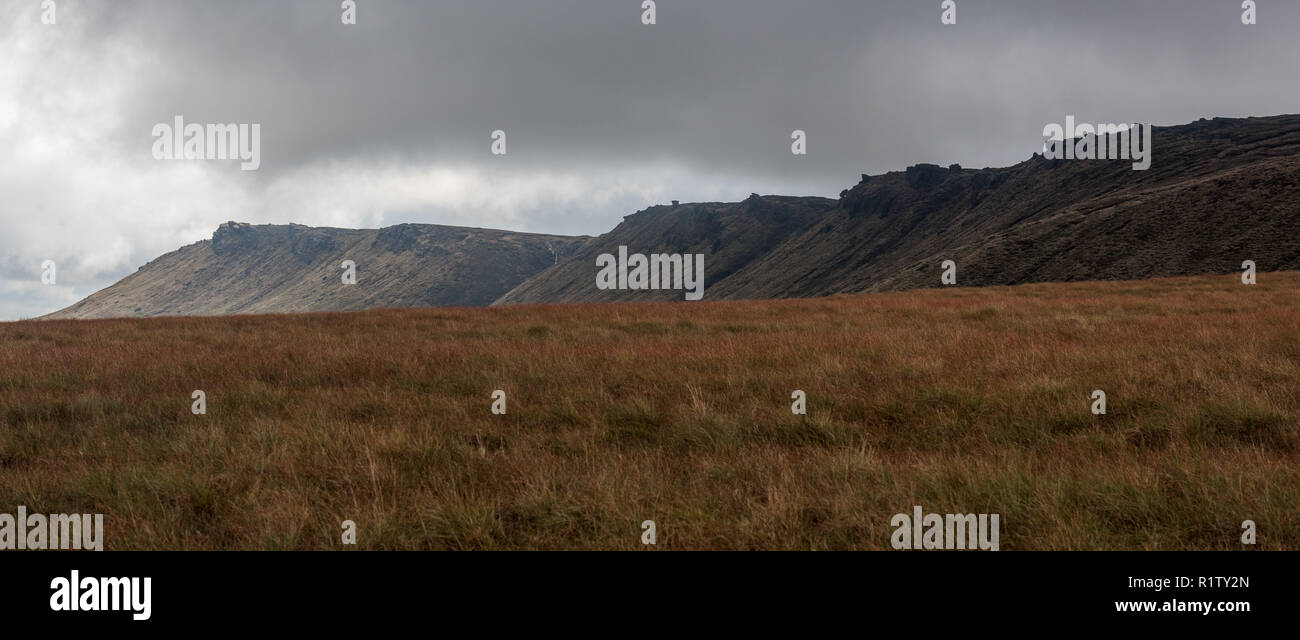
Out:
{"x": 390, "y": 120}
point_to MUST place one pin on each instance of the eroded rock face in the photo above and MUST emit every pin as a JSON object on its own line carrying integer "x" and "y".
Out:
{"x": 925, "y": 176}
{"x": 399, "y": 238}
{"x": 234, "y": 237}
{"x": 310, "y": 244}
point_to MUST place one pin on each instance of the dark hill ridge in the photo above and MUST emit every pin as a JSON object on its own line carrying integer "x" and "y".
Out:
{"x": 293, "y": 268}
{"x": 1218, "y": 192}
{"x": 733, "y": 237}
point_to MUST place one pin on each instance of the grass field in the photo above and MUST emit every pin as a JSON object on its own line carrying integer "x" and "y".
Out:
{"x": 958, "y": 400}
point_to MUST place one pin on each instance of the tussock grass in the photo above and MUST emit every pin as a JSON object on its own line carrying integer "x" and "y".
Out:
{"x": 960, "y": 400}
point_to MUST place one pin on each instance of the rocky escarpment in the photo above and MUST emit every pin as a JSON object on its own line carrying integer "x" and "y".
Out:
{"x": 1218, "y": 192}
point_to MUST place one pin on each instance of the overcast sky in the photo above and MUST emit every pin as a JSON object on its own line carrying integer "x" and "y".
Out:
{"x": 389, "y": 120}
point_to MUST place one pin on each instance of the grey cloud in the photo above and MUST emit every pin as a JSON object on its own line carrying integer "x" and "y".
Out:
{"x": 715, "y": 85}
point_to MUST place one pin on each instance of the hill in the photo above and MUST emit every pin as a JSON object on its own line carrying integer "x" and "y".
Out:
{"x": 292, "y": 268}
{"x": 1218, "y": 192}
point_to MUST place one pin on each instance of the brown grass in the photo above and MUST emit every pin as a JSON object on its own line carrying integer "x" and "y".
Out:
{"x": 959, "y": 400}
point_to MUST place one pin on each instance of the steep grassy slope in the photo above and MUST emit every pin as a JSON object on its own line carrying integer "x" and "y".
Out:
{"x": 276, "y": 269}
{"x": 959, "y": 400}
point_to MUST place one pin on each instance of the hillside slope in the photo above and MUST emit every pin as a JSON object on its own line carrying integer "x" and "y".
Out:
{"x": 293, "y": 268}
{"x": 1218, "y": 192}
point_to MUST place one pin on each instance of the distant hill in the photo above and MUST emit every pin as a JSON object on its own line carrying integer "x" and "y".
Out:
{"x": 292, "y": 268}
{"x": 1218, "y": 192}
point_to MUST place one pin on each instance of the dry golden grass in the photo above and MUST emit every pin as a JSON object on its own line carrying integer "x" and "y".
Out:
{"x": 959, "y": 400}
